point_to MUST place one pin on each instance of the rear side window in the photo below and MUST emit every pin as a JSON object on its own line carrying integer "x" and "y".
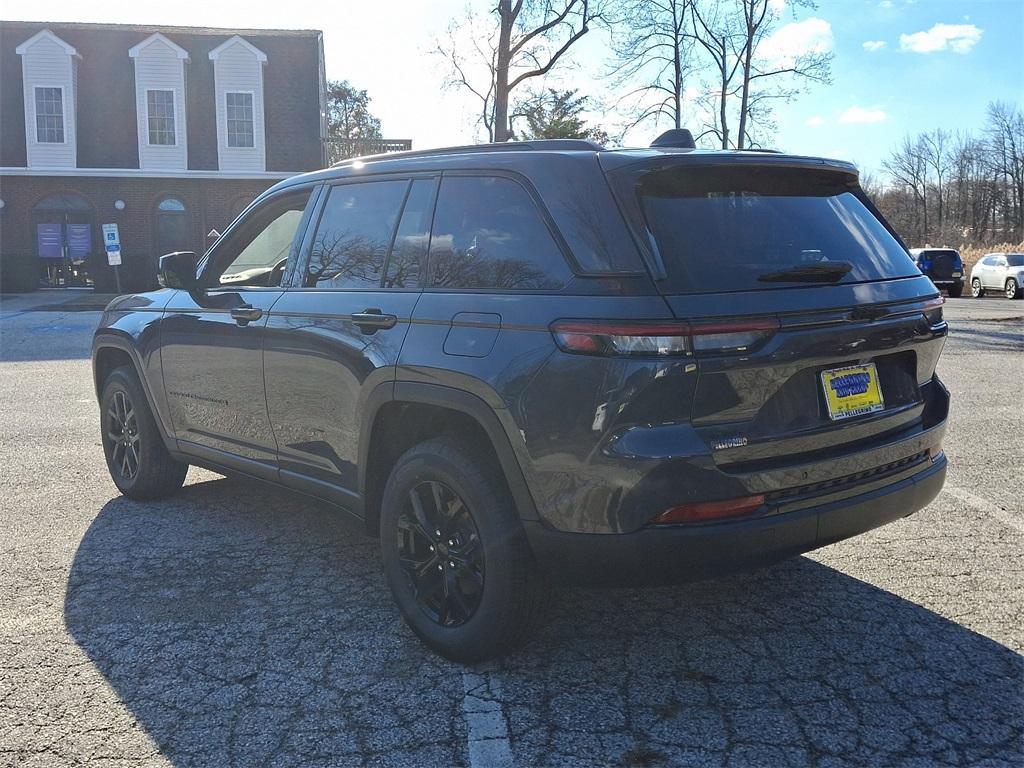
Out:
{"x": 489, "y": 233}
{"x": 408, "y": 255}
{"x": 757, "y": 228}
{"x": 1015, "y": 260}
{"x": 354, "y": 233}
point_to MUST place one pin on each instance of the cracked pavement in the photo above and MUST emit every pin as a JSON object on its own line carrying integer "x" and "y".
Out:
{"x": 236, "y": 626}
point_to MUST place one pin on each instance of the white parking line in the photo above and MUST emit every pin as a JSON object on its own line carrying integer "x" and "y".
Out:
{"x": 986, "y": 506}
{"x": 488, "y": 730}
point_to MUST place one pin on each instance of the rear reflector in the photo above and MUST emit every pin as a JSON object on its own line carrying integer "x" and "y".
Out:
{"x": 704, "y": 511}
{"x": 600, "y": 337}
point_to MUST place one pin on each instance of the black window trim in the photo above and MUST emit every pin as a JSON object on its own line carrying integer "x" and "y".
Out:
{"x": 314, "y": 190}
{"x": 574, "y": 269}
{"x": 298, "y": 277}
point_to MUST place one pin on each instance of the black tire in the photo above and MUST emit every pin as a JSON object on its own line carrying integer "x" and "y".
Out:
{"x": 956, "y": 291}
{"x": 977, "y": 289}
{"x": 137, "y": 458}
{"x": 1012, "y": 290}
{"x": 504, "y": 589}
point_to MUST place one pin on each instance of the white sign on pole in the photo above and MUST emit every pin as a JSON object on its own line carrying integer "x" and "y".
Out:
{"x": 112, "y": 244}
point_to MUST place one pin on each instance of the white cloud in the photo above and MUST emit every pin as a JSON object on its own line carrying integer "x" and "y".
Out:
{"x": 863, "y": 115}
{"x": 873, "y": 45}
{"x": 885, "y": 4}
{"x": 811, "y": 35}
{"x": 959, "y": 38}
{"x": 815, "y": 121}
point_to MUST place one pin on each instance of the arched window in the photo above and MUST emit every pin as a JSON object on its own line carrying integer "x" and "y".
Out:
{"x": 171, "y": 231}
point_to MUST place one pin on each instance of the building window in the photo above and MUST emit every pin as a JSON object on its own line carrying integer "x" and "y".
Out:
{"x": 160, "y": 113}
{"x": 239, "y": 120}
{"x": 50, "y": 115}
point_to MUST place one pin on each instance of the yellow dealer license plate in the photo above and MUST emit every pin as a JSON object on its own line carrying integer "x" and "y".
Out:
{"x": 852, "y": 391}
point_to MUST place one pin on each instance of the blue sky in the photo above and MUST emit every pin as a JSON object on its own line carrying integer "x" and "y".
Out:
{"x": 924, "y": 76}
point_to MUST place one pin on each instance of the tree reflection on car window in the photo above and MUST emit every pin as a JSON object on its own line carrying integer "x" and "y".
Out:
{"x": 489, "y": 233}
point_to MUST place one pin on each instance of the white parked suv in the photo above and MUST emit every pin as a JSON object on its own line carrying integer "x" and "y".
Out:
{"x": 998, "y": 272}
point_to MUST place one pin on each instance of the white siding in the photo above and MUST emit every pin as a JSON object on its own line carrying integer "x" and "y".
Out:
{"x": 236, "y": 68}
{"x": 158, "y": 67}
{"x": 47, "y": 64}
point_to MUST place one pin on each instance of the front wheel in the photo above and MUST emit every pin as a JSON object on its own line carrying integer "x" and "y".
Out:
{"x": 977, "y": 290}
{"x": 455, "y": 555}
{"x": 1012, "y": 289}
{"x": 137, "y": 458}
{"x": 956, "y": 291}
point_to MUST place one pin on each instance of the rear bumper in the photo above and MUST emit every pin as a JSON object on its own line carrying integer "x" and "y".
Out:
{"x": 668, "y": 554}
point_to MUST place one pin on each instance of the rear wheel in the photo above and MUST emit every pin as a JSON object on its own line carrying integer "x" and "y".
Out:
{"x": 977, "y": 290}
{"x": 455, "y": 555}
{"x": 956, "y": 291}
{"x": 1012, "y": 289}
{"x": 137, "y": 458}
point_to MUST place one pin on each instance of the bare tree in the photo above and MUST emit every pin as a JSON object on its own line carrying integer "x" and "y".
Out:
{"x": 747, "y": 77}
{"x": 652, "y": 48}
{"x": 525, "y": 39}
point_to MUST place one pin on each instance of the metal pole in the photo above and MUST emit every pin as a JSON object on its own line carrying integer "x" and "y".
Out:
{"x": 117, "y": 277}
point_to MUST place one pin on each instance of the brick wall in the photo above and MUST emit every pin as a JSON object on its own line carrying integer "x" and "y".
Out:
{"x": 210, "y": 204}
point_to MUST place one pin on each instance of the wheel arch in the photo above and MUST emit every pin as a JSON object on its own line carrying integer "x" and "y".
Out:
{"x": 424, "y": 411}
{"x": 112, "y": 350}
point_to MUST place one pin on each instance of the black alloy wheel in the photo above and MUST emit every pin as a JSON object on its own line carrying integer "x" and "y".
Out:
{"x": 122, "y": 435}
{"x": 440, "y": 551}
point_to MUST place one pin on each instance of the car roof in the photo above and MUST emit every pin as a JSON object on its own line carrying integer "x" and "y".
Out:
{"x": 539, "y": 156}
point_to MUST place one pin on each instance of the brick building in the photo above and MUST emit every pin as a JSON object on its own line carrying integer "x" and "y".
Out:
{"x": 168, "y": 132}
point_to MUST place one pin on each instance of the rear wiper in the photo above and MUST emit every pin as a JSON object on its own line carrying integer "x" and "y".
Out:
{"x": 823, "y": 272}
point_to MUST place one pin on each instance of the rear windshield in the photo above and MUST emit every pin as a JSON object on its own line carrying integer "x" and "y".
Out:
{"x": 757, "y": 228}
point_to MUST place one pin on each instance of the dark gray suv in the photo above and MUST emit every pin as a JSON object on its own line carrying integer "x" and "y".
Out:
{"x": 543, "y": 361}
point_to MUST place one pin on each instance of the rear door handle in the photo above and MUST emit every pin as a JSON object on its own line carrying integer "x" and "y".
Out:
{"x": 372, "y": 319}
{"x": 245, "y": 315}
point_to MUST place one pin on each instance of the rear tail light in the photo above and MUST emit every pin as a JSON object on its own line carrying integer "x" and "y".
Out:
{"x": 933, "y": 310}
{"x": 707, "y": 511}
{"x": 599, "y": 337}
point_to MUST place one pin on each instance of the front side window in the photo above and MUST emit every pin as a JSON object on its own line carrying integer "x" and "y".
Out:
{"x": 354, "y": 233}
{"x": 258, "y": 248}
{"x": 160, "y": 114}
{"x": 50, "y": 115}
{"x": 489, "y": 233}
{"x": 239, "y": 120}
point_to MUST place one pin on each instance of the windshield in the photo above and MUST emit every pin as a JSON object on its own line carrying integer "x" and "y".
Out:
{"x": 759, "y": 228}
{"x": 1015, "y": 260}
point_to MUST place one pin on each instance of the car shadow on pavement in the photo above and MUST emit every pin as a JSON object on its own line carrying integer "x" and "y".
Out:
{"x": 243, "y": 626}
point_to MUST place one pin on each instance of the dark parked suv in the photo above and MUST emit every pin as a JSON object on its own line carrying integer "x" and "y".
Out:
{"x": 546, "y": 360}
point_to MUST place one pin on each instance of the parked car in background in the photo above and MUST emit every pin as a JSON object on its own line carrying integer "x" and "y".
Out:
{"x": 943, "y": 266}
{"x": 998, "y": 272}
{"x": 517, "y": 362}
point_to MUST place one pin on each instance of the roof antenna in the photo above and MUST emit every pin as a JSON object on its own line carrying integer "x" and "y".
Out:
{"x": 678, "y": 138}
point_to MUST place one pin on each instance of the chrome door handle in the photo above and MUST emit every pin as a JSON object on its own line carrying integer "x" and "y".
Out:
{"x": 245, "y": 315}
{"x": 372, "y": 319}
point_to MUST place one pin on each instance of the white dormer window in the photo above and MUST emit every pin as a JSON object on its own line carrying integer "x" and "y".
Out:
{"x": 160, "y": 116}
{"x": 239, "y": 116}
{"x": 49, "y": 72}
{"x": 49, "y": 114}
{"x": 160, "y": 103}
{"x": 238, "y": 83}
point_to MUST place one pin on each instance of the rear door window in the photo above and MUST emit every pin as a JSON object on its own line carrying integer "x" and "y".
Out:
{"x": 757, "y": 228}
{"x": 488, "y": 233}
{"x": 354, "y": 234}
{"x": 409, "y": 252}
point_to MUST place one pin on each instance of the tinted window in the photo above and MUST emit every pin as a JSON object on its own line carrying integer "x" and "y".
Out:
{"x": 410, "y": 249}
{"x": 354, "y": 233}
{"x": 259, "y": 247}
{"x": 731, "y": 229}
{"x": 1015, "y": 260}
{"x": 489, "y": 233}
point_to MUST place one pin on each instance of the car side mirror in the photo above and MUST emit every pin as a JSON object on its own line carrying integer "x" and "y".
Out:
{"x": 178, "y": 270}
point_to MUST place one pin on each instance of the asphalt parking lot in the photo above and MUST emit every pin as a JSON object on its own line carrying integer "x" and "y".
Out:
{"x": 234, "y": 626}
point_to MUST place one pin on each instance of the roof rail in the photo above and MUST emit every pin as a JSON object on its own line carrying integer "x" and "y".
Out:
{"x": 579, "y": 145}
